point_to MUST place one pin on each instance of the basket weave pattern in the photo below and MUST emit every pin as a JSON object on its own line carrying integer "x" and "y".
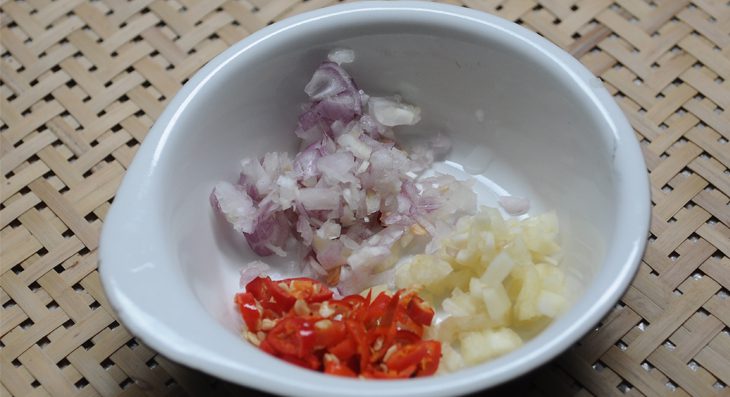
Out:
{"x": 83, "y": 81}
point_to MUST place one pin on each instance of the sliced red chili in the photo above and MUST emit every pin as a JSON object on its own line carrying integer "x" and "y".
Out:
{"x": 360, "y": 337}
{"x": 383, "y": 335}
{"x": 420, "y": 311}
{"x": 359, "y": 306}
{"x": 405, "y": 323}
{"x": 354, "y": 301}
{"x": 380, "y": 340}
{"x": 406, "y": 356}
{"x": 329, "y": 333}
{"x": 339, "y": 308}
{"x": 346, "y": 337}
{"x": 250, "y": 313}
{"x": 309, "y": 361}
{"x": 259, "y": 288}
{"x": 334, "y": 367}
{"x": 281, "y": 295}
{"x": 390, "y": 310}
{"x": 430, "y": 363}
{"x": 377, "y": 307}
{"x": 406, "y": 337}
{"x": 374, "y": 373}
{"x": 307, "y": 289}
{"x": 270, "y": 295}
{"x": 266, "y": 346}
{"x": 345, "y": 350}
{"x": 292, "y": 336}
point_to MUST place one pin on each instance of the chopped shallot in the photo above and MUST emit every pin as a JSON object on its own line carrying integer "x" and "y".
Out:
{"x": 235, "y": 205}
{"x": 341, "y": 55}
{"x": 251, "y": 271}
{"x": 514, "y": 205}
{"x": 391, "y": 112}
{"x": 351, "y": 197}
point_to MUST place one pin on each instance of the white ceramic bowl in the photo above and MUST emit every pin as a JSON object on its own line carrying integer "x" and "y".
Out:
{"x": 524, "y": 115}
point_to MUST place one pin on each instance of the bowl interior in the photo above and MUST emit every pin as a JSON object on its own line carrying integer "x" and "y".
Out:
{"x": 525, "y": 119}
{"x": 517, "y": 125}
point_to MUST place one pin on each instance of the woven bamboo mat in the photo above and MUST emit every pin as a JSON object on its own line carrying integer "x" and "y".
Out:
{"x": 82, "y": 82}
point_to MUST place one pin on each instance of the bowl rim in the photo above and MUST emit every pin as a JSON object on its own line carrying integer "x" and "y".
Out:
{"x": 131, "y": 310}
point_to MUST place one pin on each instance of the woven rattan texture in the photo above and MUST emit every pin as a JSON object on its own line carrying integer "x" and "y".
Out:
{"x": 82, "y": 82}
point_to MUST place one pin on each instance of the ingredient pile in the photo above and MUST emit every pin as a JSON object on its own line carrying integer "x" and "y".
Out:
{"x": 297, "y": 320}
{"x": 402, "y": 274}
